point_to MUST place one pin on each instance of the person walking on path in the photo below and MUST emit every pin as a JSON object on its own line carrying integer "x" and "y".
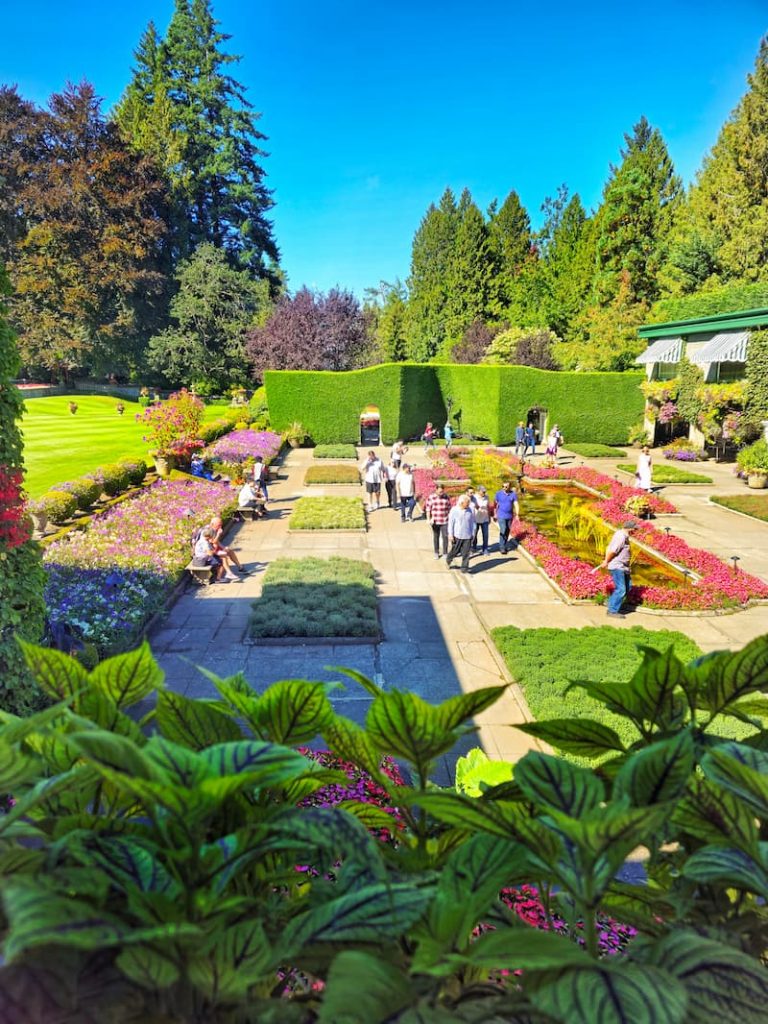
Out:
{"x": 530, "y": 440}
{"x": 398, "y": 451}
{"x": 481, "y": 503}
{"x": 506, "y": 511}
{"x": 372, "y": 471}
{"x": 554, "y": 440}
{"x": 448, "y": 435}
{"x": 428, "y": 437}
{"x": 390, "y": 476}
{"x": 520, "y": 441}
{"x": 406, "y": 489}
{"x": 617, "y": 562}
{"x": 461, "y": 530}
{"x": 261, "y": 475}
{"x": 644, "y": 470}
{"x": 437, "y": 511}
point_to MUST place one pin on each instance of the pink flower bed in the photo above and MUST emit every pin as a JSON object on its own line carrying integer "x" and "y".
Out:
{"x": 244, "y": 445}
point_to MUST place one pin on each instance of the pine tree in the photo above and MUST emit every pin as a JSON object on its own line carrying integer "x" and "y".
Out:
{"x": 470, "y": 272}
{"x": 635, "y": 217}
{"x": 509, "y": 236}
{"x": 387, "y": 310}
{"x": 721, "y": 233}
{"x": 431, "y": 257}
{"x": 567, "y": 264}
{"x": 183, "y": 108}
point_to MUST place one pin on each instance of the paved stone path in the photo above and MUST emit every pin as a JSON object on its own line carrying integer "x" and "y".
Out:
{"x": 435, "y": 621}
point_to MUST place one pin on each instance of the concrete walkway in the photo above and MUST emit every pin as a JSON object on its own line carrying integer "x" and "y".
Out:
{"x": 435, "y": 620}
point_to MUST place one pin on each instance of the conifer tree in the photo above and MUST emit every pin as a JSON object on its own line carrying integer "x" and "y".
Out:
{"x": 470, "y": 272}
{"x": 567, "y": 261}
{"x": 721, "y": 233}
{"x": 387, "y": 312}
{"x": 509, "y": 236}
{"x": 183, "y": 108}
{"x": 431, "y": 258}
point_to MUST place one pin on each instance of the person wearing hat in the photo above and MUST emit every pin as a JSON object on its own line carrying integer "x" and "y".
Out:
{"x": 616, "y": 561}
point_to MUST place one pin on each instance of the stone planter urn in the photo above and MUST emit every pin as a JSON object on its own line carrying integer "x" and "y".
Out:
{"x": 757, "y": 481}
{"x": 163, "y": 465}
{"x": 39, "y": 521}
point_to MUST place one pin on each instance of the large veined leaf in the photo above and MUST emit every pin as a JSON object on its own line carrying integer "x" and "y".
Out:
{"x": 618, "y": 697}
{"x": 106, "y": 749}
{"x": 55, "y": 751}
{"x": 56, "y": 673}
{"x": 129, "y": 864}
{"x": 658, "y": 772}
{"x": 177, "y": 764}
{"x": 96, "y": 710}
{"x": 657, "y": 686}
{"x": 713, "y": 814}
{"x": 38, "y": 918}
{"x": 730, "y": 676}
{"x": 742, "y": 770}
{"x": 730, "y": 867}
{"x": 748, "y": 709}
{"x": 345, "y": 1001}
{"x": 581, "y": 736}
{"x": 408, "y": 727}
{"x": 469, "y": 883}
{"x": 130, "y": 677}
{"x": 640, "y": 905}
{"x": 722, "y": 983}
{"x": 79, "y": 779}
{"x": 16, "y": 768}
{"x": 527, "y": 949}
{"x": 234, "y": 689}
{"x": 193, "y": 723}
{"x": 367, "y": 684}
{"x": 556, "y": 783}
{"x": 333, "y": 834}
{"x": 292, "y": 711}
{"x": 375, "y": 913}
{"x": 265, "y": 764}
{"x": 147, "y": 967}
{"x": 626, "y": 994}
{"x": 352, "y": 743}
{"x": 238, "y": 957}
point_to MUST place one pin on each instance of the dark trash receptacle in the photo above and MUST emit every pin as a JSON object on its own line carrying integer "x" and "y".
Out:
{"x": 370, "y": 434}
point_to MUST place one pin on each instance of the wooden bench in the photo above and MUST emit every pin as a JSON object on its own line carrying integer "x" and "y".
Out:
{"x": 202, "y": 574}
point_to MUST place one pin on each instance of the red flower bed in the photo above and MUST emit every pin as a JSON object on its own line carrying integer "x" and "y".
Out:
{"x": 15, "y": 528}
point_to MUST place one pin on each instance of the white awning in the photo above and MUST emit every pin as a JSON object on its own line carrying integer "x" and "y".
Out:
{"x": 730, "y": 347}
{"x": 663, "y": 350}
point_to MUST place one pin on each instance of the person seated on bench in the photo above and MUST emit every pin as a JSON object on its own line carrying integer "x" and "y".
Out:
{"x": 219, "y": 549}
{"x": 204, "y": 555}
{"x": 260, "y": 474}
{"x": 197, "y": 467}
{"x": 251, "y": 497}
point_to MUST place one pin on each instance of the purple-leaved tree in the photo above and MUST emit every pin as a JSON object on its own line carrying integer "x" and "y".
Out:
{"x": 310, "y": 331}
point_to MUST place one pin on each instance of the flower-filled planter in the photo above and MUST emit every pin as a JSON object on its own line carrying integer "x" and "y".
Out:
{"x": 73, "y": 407}
{"x": 753, "y": 461}
{"x": 120, "y": 408}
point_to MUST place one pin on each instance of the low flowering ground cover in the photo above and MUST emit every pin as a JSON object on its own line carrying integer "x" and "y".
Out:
{"x": 666, "y": 474}
{"x": 327, "y": 514}
{"x": 334, "y": 451}
{"x": 107, "y": 580}
{"x": 334, "y": 473}
{"x": 749, "y": 504}
{"x": 242, "y": 446}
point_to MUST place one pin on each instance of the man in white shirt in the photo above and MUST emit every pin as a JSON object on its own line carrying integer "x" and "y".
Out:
{"x": 372, "y": 471}
{"x": 406, "y": 488}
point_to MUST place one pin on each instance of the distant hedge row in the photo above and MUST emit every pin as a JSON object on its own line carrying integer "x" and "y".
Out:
{"x": 485, "y": 401}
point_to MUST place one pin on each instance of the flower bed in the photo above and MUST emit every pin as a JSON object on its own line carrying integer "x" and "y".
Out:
{"x": 242, "y": 446}
{"x": 109, "y": 579}
{"x": 335, "y": 473}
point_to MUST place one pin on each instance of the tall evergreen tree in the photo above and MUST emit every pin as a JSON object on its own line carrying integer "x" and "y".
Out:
{"x": 509, "y": 237}
{"x": 184, "y": 109}
{"x": 20, "y": 149}
{"x": 86, "y": 272}
{"x": 470, "y": 272}
{"x": 635, "y": 217}
{"x": 387, "y": 310}
{"x": 567, "y": 263}
{"x": 431, "y": 258}
{"x": 721, "y": 233}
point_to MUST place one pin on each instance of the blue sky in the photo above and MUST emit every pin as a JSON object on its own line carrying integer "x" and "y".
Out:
{"x": 372, "y": 109}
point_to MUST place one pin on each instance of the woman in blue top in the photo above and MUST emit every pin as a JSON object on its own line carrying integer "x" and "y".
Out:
{"x": 448, "y": 435}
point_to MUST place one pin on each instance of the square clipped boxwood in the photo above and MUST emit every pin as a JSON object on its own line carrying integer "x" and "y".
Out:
{"x": 748, "y": 504}
{"x": 335, "y": 473}
{"x": 327, "y": 514}
{"x": 335, "y": 451}
{"x": 596, "y": 451}
{"x": 661, "y": 473}
{"x": 316, "y": 597}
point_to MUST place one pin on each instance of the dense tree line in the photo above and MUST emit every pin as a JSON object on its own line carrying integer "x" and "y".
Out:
{"x": 574, "y": 292}
{"x": 139, "y": 239}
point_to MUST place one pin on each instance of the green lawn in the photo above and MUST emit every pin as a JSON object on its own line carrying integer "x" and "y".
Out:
{"x": 327, "y": 514}
{"x": 596, "y": 451}
{"x": 665, "y": 474}
{"x": 59, "y": 446}
{"x": 755, "y": 505}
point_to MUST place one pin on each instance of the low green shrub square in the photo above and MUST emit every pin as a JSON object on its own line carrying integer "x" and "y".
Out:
{"x": 316, "y": 597}
{"x": 665, "y": 474}
{"x": 755, "y": 505}
{"x": 336, "y": 473}
{"x": 327, "y": 514}
{"x": 335, "y": 451}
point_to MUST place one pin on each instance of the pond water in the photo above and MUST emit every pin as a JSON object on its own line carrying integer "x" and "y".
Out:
{"x": 566, "y": 515}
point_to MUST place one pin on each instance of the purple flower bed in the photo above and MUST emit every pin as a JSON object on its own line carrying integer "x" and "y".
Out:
{"x": 680, "y": 455}
{"x": 243, "y": 445}
{"x": 108, "y": 580}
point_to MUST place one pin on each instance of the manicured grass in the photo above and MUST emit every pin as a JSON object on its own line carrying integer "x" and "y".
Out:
{"x": 337, "y": 473}
{"x": 316, "y": 597}
{"x": 327, "y": 514}
{"x": 596, "y": 451}
{"x": 662, "y": 473}
{"x": 755, "y": 505}
{"x": 335, "y": 451}
{"x": 545, "y": 661}
{"x": 59, "y": 446}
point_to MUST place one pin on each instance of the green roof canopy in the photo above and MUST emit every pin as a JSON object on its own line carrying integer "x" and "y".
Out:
{"x": 707, "y": 324}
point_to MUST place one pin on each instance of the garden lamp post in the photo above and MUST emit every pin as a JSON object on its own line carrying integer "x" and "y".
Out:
{"x": 667, "y": 530}
{"x": 735, "y": 559}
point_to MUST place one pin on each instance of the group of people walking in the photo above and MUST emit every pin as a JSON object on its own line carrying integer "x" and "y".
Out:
{"x": 465, "y": 526}
{"x": 397, "y": 478}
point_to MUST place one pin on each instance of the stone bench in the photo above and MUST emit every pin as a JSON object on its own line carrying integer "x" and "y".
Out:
{"x": 202, "y": 574}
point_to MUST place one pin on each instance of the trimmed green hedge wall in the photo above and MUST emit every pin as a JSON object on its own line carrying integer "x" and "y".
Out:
{"x": 486, "y": 401}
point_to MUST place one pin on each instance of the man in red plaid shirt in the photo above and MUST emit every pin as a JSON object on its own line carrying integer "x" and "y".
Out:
{"x": 437, "y": 510}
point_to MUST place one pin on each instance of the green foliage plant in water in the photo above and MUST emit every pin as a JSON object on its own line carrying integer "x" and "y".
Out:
{"x": 180, "y": 876}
